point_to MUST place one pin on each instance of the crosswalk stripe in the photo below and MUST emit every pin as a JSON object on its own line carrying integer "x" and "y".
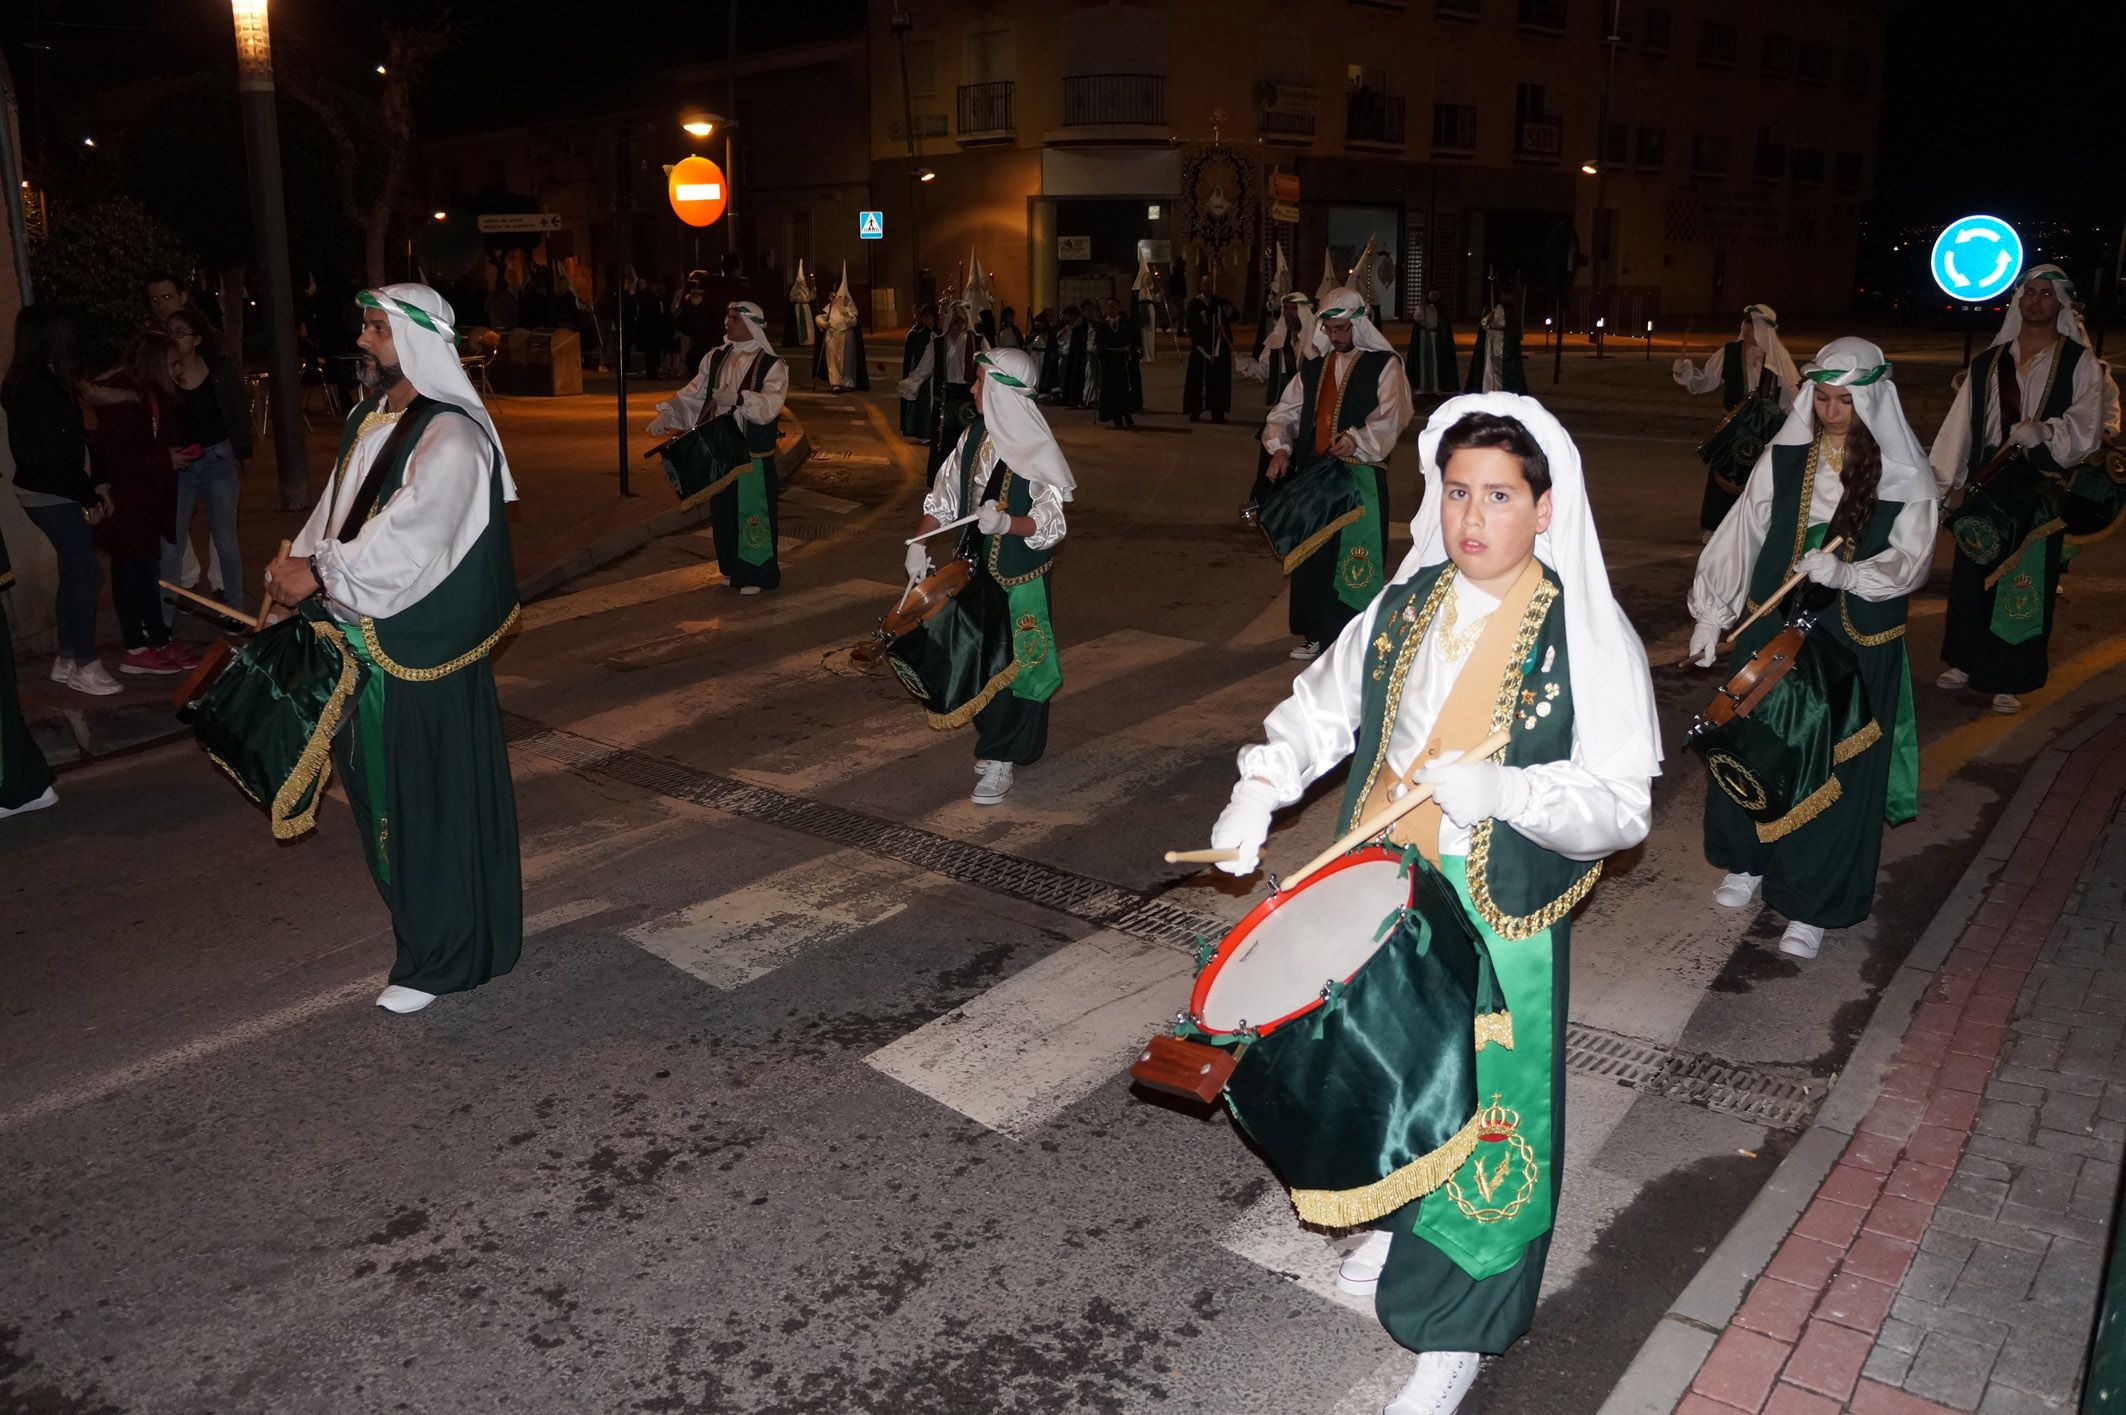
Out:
{"x": 1269, "y": 1234}
{"x": 563, "y": 914}
{"x": 730, "y": 939}
{"x": 782, "y": 606}
{"x": 1037, "y": 1043}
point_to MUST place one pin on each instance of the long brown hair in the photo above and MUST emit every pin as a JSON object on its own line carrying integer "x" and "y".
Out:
{"x": 1862, "y": 476}
{"x": 146, "y": 368}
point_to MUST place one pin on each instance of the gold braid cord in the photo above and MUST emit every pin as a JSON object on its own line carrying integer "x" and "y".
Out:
{"x": 1866, "y": 641}
{"x": 2015, "y": 556}
{"x": 964, "y": 713}
{"x": 718, "y": 485}
{"x": 1801, "y": 517}
{"x": 1411, "y": 643}
{"x": 1322, "y": 537}
{"x": 7, "y": 579}
{"x": 1344, "y": 1208}
{"x": 442, "y": 670}
{"x": 1825, "y": 796}
{"x": 996, "y": 543}
{"x": 313, "y": 768}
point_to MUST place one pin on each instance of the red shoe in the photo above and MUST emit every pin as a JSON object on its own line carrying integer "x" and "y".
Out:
{"x": 183, "y": 657}
{"x": 139, "y": 661}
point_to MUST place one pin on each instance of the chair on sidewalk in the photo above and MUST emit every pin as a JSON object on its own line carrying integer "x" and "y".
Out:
{"x": 476, "y": 366}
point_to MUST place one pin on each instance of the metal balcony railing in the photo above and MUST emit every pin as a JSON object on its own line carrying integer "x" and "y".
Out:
{"x": 1373, "y": 118}
{"x": 985, "y": 108}
{"x": 1100, "y": 99}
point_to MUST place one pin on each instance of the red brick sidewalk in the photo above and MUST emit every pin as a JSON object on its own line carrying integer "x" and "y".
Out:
{"x": 1807, "y": 1327}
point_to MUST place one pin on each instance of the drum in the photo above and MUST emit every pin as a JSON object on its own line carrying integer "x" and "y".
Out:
{"x": 1307, "y": 506}
{"x": 925, "y": 598}
{"x": 267, "y": 717}
{"x": 1772, "y": 737}
{"x": 1351, "y": 1044}
{"x": 2095, "y": 494}
{"x": 700, "y": 461}
{"x": 1740, "y": 439}
{"x": 959, "y": 645}
{"x": 1997, "y": 516}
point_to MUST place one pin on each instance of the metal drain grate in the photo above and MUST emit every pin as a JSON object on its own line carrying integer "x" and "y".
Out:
{"x": 1757, "y": 1096}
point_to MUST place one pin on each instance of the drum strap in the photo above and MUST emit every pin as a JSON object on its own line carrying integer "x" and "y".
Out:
{"x": 2010, "y": 388}
{"x": 394, "y": 451}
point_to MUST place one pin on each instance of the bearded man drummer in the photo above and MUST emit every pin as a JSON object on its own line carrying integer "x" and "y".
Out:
{"x": 1501, "y": 615}
{"x": 742, "y": 376}
{"x": 409, "y": 550}
{"x": 1007, "y": 471}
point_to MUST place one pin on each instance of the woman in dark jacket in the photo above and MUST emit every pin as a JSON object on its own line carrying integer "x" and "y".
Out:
{"x": 136, "y": 442}
{"x": 213, "y": 415}
{"x": 53, "y": 480}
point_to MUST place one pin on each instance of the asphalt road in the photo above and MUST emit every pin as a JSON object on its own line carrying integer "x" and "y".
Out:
{"x": 809, "y": 1094}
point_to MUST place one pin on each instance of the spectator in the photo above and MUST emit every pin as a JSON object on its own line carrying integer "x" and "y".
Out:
{"x": 656, "y": 310}
{"x": 699, "y": 327}
{"x": 60, "y": 493}
{"x": 212, "y": 415}
{"x": 166, "y": 295}
{"x": 137, "y": 444}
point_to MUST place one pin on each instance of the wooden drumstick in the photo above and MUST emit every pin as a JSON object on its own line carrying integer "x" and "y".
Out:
{"x": 1379, "y": 822}
{"x": 948, "y": 526}
{"x": 265, "y": 606}
{"x": 1200, "y": 857}
{"x": 1781, "y": 593}
{"x": 212, "y": 606}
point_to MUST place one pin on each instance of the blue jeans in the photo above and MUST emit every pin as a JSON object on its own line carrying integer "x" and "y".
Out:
{"x": 80, "y": 577}
{"x": 213, "y": 479}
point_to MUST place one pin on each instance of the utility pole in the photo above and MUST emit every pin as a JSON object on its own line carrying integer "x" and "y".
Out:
{"x": 623, "y": 207}
{"x": 903, "y": 22}
{"x": 1603, "y": 242}
{"x": 730, "y": 132}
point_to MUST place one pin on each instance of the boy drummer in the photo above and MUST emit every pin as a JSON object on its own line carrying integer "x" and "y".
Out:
{"x": 1501, "y": 616}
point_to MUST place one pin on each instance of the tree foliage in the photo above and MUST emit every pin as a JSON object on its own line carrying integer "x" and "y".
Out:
{"x": 92, "y": 257}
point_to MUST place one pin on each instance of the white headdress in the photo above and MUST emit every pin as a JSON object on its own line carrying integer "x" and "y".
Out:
{"x": 1765, "y": 320}
{"x": 1344, "y": 303}
{"x": 1612, "y": 689}
{"x": 1275, "y": 339}
{"x": 1281, "y": 277}
{"x": 424, "y": 331}
{"x": 843, "y": 296}
{"x": 756, "y": 325}
{"x": 799, "y": 291}
{"x": 1015, "y": 424}
{"x": 2069, "y": 321}
{"x": 1860, "y": 368}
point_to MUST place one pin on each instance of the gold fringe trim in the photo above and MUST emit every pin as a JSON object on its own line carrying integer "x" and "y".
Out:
{"x": 313, "y": 768}
{"x": 2015, "y": 557}
{"x": 1510, "y": 926}
{"x": 441, "y": 670}
{"x": 1297, "y": 555}
{"x": 964, "y": 713}
{"x": 1866, "y": 641}
{"x": 1859, "y": 742}
{"x": 1494, "y": 1029}
{"x": 1344, "y": 1208}
{"x": 1811, "y": 806}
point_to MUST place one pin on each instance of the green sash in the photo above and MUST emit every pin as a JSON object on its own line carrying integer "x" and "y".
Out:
{"x": 1033, "y": 643}
{"x": 2019, "y": 600}
{"x": 756, "y": 535}
{"x": 1902, "y": 804}
{"x": 1502, "y": 1196}
{"x": 1359, "y": 546}
{"x": 369, "y": 713}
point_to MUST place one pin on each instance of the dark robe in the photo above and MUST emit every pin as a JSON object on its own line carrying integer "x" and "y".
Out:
{"x": 1076, "y": 349}
{"x": 1208, "y": 387}
{"x": 916, "y": 411}
{"x": 1120, "y": 392}
{"x": 1513, "y": 373}
{"x": 1441, "y": 343}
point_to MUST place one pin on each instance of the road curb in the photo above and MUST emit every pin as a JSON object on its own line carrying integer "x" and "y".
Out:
{"x": 1667, "y": 1361}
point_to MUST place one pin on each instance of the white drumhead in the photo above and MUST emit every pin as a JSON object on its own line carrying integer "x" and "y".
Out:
{"x": 1323, "y": 931}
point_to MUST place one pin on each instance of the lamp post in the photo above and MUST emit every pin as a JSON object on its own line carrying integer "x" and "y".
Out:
{"x": 269, "y": 233}
{"x": 1602, "y": 238}
{"x": 902, "y": 22}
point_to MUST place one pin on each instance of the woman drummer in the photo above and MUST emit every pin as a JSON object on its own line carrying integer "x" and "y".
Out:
{"x": 1503, "y": 611}
{"x": 1845, "y": 466}
{"x": 1008, "y": 447}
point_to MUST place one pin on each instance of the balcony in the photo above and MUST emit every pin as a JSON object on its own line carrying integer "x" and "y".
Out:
{"x": 1373, "y": 120}
{"x": 1114, "y": 101}
{"x": 985, "y": 112}
{"x": 1286, "y": 113}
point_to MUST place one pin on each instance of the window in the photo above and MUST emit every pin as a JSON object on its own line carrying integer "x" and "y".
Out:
{"x": 1779, "y": 55}
{"x": 1606, "y": 13}
{"x": 1541, "y": 14}
{"x": 1716, "y": 43}
{"x": 1771, "y": 160}
{"x": 1708, "y": 155}
{"x": 1816, "y": 63}
{"x": 1536, "y": 131}
{"x": 1859, "y": 73}
{"x": 1458, "y": 9}
{"x": 1807, "y": 164}
{"x": 1616, "y": 145}
{"x": 1651, "y": 151}
{"x": 1847, "y": 170}
{"x": 1454, "y": 127}
{"x": 1654, "y": 28}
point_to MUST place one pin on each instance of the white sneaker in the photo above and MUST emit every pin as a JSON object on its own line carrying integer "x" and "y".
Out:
{"x": 749, "y": 589}
{"x": 1737, "y": 891}
{"x": 49, "y": 798}
{"x": 1360, "y": 1273}
{"x": 89, "y": 676}
{"x": 1437, "y": 1386}
{"x": 403, "y": 1000}
{"x": 2007, "y": 703}
{"x": 1952, "y": 679}
{"x": 61, "y": 667}
{"x": 995, "y": 780}
{"x": 1310, "y": 649}
{"x": 1801, "y": 940}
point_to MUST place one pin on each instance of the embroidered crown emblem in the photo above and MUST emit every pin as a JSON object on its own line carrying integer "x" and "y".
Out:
{"x": 1495, "y": 1123}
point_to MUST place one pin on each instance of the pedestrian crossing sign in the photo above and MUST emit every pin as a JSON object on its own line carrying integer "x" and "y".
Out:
{"x": 870, "y": 225}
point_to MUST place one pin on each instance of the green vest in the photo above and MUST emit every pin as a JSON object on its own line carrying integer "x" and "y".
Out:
{"x": 1356, "y": 397}
{"x": 1984, "y": 385}
{"x": 1010, "y": 559}
{"x": 760, "y": 437}
{"x": 460, "y": 619}
{"x": 1731, "y": 389}
{"x": 1519, "y": 888}
{"x": 1868, "y": 623}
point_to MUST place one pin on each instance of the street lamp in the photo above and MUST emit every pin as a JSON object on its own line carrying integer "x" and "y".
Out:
{"x": 698, "y": 124}
{"x": 926, "y": 175}
{"x": 1591, "y": 167}
{"x": 269, "y": 227}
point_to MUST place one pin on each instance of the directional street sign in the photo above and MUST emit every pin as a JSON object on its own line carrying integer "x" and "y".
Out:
{"x": 871, "y": 225}
{"x": 519, "y": 223}
{"x": 1977, "y": 258}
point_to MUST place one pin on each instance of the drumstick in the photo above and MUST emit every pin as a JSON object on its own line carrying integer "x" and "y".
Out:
{"x": 1200, "y": 857}
{"x": 265, "y": 606}
{"x": 212, "y": 606}
{"x": 948, "y": 526}
{"x": 1776, "y": 595}
{"x": 1386, "y": 816}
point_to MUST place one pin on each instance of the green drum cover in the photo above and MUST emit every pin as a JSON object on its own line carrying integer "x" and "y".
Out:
{"x": 1785, "y": 751}
{"x": 946, "y": 661}
{"x": 704, "y": 454}
{"x": 1304, "y": 502}
{"x": 261, "y": 718}
{"x": 1996, "y": 518}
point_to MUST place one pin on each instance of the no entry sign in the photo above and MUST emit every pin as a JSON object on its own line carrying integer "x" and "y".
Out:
{"x": 697, "y": 190}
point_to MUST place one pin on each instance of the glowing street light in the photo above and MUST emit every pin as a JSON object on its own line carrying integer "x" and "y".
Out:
{"x": 926, "y": 175}
{"x": 1591, "y": 167}
{"x": 441, "y": 215}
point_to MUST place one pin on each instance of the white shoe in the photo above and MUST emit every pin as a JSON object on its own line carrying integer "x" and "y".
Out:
{"x": 1310, "y": 649}
{"x": 1437, "y": 1386}
{"x": 1360, "y": 1273}
{"x": 2006, "y": 703}
{"x": 749, "y": 589}
{"x": 61, "y": 667}
{"x": 1953, "y": 678}
{"x": 1737, "y": 891}
{"x": 1801, "y": 940}
{"x": 993, "y": 783}
{"x": 89, "y": 676}
{"x": 49, "y": 798}
{"x": 403, "y": 1000}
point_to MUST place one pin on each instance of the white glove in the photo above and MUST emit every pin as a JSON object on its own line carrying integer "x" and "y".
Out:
{"x": 2027, "y": 433}
{"x": 1704, "y": 643}
{"x": 992, "y": 520}
{"x": 1468, "y": 792}
{"x": 1244, "y": 825}
{"x": 917, "y": 561}
{"x": 1827, "y": 569}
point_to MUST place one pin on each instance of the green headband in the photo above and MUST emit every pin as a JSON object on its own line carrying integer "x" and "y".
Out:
{"x": 989, "y": 366}
{"x": 1339, "y": 312}
{"x": 748, "y": 309}
{"x": 377, "y": 301}
{"x": 2057, "y": 277}
{"x": 1849, "y": 378}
